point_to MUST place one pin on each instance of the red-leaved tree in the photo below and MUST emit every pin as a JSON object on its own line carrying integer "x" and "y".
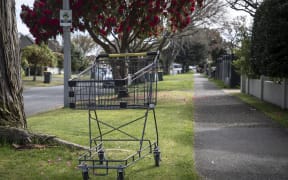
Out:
{"x": 116, "y": 25}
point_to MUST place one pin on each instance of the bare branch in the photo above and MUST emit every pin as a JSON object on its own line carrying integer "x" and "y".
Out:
{"x": 210, "y": 13}
{"x": 248, "y": 6}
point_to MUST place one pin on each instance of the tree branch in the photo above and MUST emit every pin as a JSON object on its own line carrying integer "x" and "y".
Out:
{"x": 248, "y": 6}
{"x": 116, "y": 40}
{"x": 105, "y": 46}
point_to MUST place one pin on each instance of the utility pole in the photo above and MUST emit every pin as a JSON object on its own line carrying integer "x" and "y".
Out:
{"x": 67, "y": 48}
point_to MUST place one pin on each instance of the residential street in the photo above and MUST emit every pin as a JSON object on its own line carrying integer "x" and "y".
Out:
{"x": 234, "y": 140}
{"x": 41, "y": 99}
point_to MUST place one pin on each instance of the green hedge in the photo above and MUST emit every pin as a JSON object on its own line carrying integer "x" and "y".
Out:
{"x": 269, "y": 48}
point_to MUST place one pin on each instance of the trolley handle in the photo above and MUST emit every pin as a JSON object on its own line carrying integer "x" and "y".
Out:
{"x": 153, "y": 53}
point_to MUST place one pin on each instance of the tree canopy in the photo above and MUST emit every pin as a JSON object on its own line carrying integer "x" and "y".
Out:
{"x": 85, "y": 43}
{"x": 194, "y": 46}
{"x": 269, "y": 46}
{"x": 235, "y": 31}
{"x": 191, "y": 54}
{"x": 38, "y": 56}
{"x": 78, "y": 60}
{"x": 113, "y": 24}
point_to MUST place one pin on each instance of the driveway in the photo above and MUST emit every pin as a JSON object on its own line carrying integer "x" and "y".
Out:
{"x": 234, "y": 140}
{"x": 42, "y": 99}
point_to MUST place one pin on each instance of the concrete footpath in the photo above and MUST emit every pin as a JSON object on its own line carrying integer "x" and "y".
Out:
{"x": 234, "y": 140}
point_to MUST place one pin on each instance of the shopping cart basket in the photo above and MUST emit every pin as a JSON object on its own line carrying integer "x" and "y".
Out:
{"x": 126, "y": 83}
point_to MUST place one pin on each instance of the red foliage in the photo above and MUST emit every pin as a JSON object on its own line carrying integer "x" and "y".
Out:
{"x": 107, "y": 16}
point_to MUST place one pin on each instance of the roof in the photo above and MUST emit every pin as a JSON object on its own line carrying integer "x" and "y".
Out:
{"x": 24, "y": 41}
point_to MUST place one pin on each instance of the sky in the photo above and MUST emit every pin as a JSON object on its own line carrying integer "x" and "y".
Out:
{"x": 22, "y": 28}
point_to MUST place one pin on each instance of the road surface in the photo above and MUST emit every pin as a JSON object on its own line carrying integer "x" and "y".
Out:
{"x": 42, "y": 99}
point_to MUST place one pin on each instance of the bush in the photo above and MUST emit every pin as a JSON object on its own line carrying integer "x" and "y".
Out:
{"x": 242, "y": 64}
{"x": 269, "y": 48}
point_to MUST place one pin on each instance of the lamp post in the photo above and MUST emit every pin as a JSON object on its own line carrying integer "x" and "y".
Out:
{"x": 67, "y": 50}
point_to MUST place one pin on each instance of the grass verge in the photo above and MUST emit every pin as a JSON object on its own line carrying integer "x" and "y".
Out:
{"x": 174, "y": 114}
{"x": 55, "y": 81}
{"x": 218, "y": 83}
{"x": 272, "y": 111}
{"x": 221, "y": 84}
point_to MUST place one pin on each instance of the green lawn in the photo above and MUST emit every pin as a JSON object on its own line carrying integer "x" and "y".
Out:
{"x": 174, "y": 113}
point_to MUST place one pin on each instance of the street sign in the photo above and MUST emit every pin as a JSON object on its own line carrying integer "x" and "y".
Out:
{"x": 65, "y": 17}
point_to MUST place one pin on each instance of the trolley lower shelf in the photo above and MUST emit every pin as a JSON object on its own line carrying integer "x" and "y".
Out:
{"x": 108, "y": 152}
{"x": 94, "y": 161}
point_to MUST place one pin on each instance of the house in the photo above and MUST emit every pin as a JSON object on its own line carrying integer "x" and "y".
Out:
{"x": 24, "y": 41}
{"x": 54, "y": 45}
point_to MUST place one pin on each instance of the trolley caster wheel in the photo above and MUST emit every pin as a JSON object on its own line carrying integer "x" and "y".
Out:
{"x": 157, "y": 157}
{"x": 101, "y": 156}
{"x": 85, "y": 172}
{"x": 85, "y": 175}
{"x": 120, "y": 174}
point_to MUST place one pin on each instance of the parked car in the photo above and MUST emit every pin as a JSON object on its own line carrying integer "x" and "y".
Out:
{"x": 175, "y": 68}
{"x": 193, "y": 69}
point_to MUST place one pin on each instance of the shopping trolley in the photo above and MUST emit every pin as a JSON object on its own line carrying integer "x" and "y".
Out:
{"x": 125, "y": 83}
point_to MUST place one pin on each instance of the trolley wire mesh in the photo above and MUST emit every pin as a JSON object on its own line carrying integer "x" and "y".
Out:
{"x": 114, "y": 82}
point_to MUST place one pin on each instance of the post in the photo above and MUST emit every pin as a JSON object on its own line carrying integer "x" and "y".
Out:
{"x": 248, "y": 85}
{"x": 262, "y": 87}
{"x": 243, "y": 83}
{"x": 284, "y": 94}
{"x": 67, "y": 56}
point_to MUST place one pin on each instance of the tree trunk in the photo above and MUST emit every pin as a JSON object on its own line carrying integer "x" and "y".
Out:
{"x": 13, "y": 135}
{"x": 35, "y": 72}
{"x": 11, "y": 99}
